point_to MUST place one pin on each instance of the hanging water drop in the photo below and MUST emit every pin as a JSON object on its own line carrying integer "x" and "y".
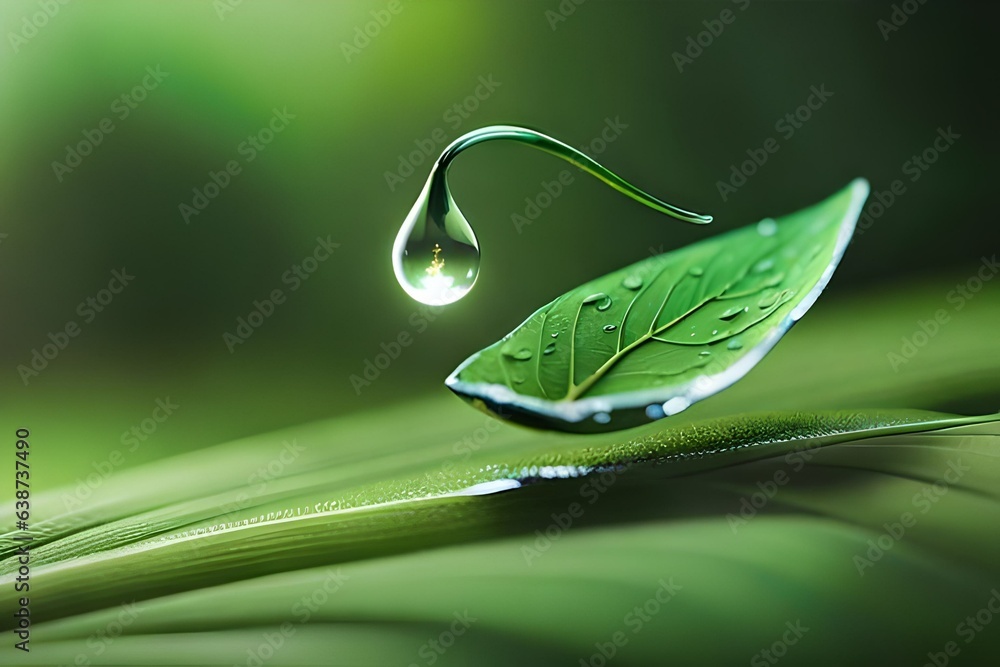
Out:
{"x": 436, "y": 255}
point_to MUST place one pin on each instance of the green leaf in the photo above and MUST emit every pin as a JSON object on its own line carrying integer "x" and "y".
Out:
{"x": 649, "y": 340}
{"x": 409, "y": 554}
{"x": 226, "y": 533}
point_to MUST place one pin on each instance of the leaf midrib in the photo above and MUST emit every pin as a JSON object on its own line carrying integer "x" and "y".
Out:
{"x": 577, "y": 390}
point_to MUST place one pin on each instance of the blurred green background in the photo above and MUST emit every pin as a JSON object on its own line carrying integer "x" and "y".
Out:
{"x": 356, "y": 104}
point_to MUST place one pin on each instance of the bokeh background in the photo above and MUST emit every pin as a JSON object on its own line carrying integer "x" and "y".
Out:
{"x": 358, "y": 105}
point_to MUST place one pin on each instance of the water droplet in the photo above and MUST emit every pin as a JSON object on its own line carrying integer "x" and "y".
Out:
{"x": 767, "y": 227}
{"x": 675, "y": 405}
{"x": 735, "y": 345}
{"x": 608, "y": 328}
{"x": 763, "y": 265}
{"x": 731, "y": 313}
{"x": 704, "y": 353}
{"x": 632, "y": 282}
{"x": 487, "y": 488}
{"x": 602, "y": 300}
{"x": 549, "y": 349}
{"x": 692, "y": 334}
{"x": 769, "y": 299}
{"x": 521, "y": 355}
{"x": 655, "y": 411}
{"x": 436, "y": 255}
{"x": 696, "y": 271}
{"x": 517, "y": 379}
{"x": 555, "y": 334}
{"x": 715, "y": 331}
{"x": 774, "y": 279}
{"x": 602, "y": 417}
